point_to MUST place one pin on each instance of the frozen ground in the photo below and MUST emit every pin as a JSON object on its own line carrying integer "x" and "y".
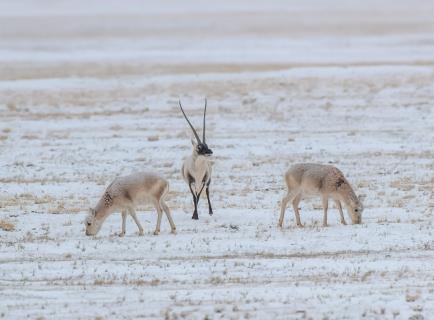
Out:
{"x": 89, "y": 92}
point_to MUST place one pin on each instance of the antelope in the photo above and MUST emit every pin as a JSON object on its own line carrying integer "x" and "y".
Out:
{"x": 124, "y": 194}
{"x": 196, "y": 169}
{"x": 326, "y": 181}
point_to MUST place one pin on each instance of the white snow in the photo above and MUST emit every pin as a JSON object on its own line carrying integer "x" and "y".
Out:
{"x": 84, "y": 85}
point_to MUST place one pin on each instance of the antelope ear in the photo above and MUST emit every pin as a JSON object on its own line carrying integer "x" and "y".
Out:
{"x": 193, "y": 142}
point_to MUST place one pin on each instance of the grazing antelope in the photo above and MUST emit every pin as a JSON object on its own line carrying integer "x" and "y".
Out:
{"x": 196, "y": 169}
{"x": 326, "y": 181}
{"x": 124, "y": 194}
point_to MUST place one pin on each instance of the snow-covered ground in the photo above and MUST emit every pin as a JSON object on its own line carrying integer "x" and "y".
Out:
{"x": 89, "y": 91}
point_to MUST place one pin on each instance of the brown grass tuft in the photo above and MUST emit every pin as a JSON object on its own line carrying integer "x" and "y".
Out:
{"x": 6, "y": 226}
{"x": 153, "y": 138}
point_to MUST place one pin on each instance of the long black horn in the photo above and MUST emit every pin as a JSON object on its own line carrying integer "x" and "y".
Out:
{"x": 204, "y": 115}
{"x": 191, "y": 126}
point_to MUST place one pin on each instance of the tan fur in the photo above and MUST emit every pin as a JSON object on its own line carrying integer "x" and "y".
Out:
{"x": 124, "y": 194}
{"x": 324, "y": 180}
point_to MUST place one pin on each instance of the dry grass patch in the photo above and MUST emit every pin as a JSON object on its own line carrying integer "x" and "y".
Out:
{"x": 59, "y": 135}
{"x": 61, "y": 208}
{"x": 11, "y": 106}
{"x": 44, "y": 199}
{"x": 103, "y": 282}
{"x": 6, "y": 226}
{"x": 29, "y": 137}
{"x": 116, "y": 127}
{"x": 404, "y": 184}
{"x": 153, "y": 138}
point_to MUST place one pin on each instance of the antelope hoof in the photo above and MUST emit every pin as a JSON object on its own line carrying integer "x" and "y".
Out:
{"x": 325, "y": 225}
{"x": 344, "y": 223}
{"x": 195, "y": 217}
{"x": 300, "y": 225}
{"x": 141, "y": 233}
{"x": 280, "y": 224}
{"x": 156, "y": 232}
{"x": 121, "y": 234}
{"x": 173, "y": 231}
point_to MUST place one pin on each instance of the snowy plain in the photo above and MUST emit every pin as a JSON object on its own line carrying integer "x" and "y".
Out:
{"x": 89, "y": 91}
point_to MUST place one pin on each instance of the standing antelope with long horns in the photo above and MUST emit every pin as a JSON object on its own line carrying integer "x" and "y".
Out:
{"x": 196, "y": 169}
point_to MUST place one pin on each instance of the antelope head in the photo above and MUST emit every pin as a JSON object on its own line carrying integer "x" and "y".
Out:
{"x": 199, "y": 146}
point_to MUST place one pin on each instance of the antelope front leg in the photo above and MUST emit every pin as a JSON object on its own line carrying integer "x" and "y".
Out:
{"x": 133, "y": 214}
{"x": 325, "y": 203}
{"x": 169, "y": 216}
{"x": 338, "y": 204}
{"x": 207, "y": 196}
{"x": 285, "y": 201}
{"x": 295, "y": 204}
{"x": 195, "y": 200}
{"x": 124, "y": 219}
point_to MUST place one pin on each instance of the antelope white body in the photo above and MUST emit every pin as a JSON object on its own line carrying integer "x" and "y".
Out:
{"x": 197, "y": 168}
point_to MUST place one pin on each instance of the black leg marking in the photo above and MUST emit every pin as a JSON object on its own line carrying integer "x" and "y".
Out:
{"x": 207, "y": 196}
{"x": 195, "y": 216}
